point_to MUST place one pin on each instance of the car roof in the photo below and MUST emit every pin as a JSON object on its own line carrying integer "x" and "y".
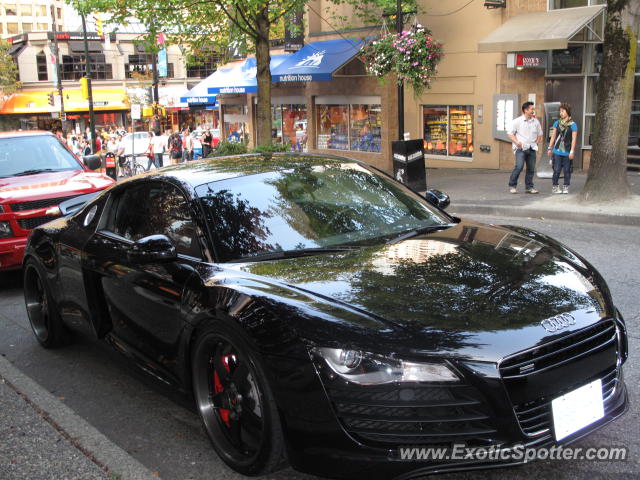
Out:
{"x": 223, "y": 168}
{"x": 25, "y": 133}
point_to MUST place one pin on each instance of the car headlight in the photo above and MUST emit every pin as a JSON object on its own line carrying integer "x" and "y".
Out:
{"x": 371, "y": 369}
{"x": 5, "y": 230}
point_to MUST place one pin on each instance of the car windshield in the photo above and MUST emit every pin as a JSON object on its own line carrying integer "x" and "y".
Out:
{"x": 311, "y": 207}
{"x": 24, "y": 155}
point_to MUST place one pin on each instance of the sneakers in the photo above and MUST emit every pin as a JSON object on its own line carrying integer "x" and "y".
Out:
{"x": 513, "y": 190}
{"x": 533, "y": 190}
{"x": 565, "y": 189}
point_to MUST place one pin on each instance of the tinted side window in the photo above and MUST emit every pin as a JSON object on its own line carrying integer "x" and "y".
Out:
{"x": 151, "y": 209}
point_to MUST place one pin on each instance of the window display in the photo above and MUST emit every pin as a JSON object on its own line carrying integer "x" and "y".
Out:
{"x": 448, "y": 130}
{"x": 365, "y": 128}
{"x": 349, "y": 127}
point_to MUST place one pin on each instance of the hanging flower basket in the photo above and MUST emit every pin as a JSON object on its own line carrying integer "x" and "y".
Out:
{"x": 412, "y": 55}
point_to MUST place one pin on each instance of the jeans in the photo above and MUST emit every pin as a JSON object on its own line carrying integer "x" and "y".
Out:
{"x": 158, "y": 161}
{"x": 528, "y": 158}
{"x": 561, "y": 163}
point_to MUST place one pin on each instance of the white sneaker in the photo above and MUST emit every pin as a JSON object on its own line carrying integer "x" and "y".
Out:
{"x": 555, "y": 189}
{"x": 565, "y": 189}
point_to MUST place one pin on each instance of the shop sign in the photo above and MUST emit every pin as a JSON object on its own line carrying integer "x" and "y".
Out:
{"x": 294, "y": 32}
{"x": 100, "y": 104}
{"x": 527, "y": 60}
{"x": 136, "y": 111}
{"x": 162, "y": 62}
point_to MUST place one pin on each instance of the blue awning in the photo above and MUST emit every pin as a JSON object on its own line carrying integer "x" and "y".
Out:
{"x": 199, "y": 95}
{"x": 317, "y": 61}
{"x": 242, "y": 77}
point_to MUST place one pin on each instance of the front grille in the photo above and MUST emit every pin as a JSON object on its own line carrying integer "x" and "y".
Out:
{"x": 35, "y": 204}
{"x": 535, "y": 417}
{"x": 417, "y": 414}
{"x": 558, "y": 352}
{"x": 31, "y": 223}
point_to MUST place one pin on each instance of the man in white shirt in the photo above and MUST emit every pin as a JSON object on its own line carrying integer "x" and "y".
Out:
{"x": 159, "y": 143}
{"x": 525, "y": 134}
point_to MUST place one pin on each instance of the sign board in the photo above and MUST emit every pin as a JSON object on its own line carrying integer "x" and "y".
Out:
{"x": 506, "y": 107}
{"x": 162, "y": 63}
{"x": 56, "y": 102}
{"x": 527, "y": 60}
{"x": 294, "y": 32}
{"x": 136, "y": 111}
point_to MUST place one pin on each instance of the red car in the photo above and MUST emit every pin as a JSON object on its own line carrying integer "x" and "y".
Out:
{"x": 37, "y": 172}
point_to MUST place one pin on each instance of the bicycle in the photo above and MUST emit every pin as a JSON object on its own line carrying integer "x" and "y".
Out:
{"x": 130, "y": 166}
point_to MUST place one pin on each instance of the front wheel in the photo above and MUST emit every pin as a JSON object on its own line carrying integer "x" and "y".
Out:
{"x": 45, "y": 322}
{"x": 235, "y": 402}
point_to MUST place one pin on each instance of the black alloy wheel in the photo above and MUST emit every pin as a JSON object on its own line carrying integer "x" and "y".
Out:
{"x": 45, "y": 321}
{"x": 235, "y": 402}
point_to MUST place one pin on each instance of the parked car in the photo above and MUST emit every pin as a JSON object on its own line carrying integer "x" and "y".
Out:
{"x": 37, "y": 172}
{"x": 136, "y": 143}
{"x": 323, "y": 314}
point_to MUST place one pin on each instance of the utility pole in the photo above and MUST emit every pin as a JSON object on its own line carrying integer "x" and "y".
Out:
{"x": 56, "y": 53}
{"x": 87, "y": 69}
{"x": 399, "y": 24}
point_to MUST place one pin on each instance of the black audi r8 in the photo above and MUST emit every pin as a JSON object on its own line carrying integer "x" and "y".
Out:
{"x": 324, "y": 315}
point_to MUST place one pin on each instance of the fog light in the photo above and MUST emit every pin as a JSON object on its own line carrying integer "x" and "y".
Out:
{"x": 5, "y": 230}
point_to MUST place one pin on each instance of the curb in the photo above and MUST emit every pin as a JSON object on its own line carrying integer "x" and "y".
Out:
{"x": 498, "y": 210}
{"x": 93, "y": 444}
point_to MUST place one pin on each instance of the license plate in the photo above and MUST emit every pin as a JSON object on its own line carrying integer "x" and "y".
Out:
{"x": 577, "y": 409}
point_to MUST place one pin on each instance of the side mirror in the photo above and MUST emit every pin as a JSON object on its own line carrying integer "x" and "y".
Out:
{"x": 93, "y": 162}
{"x": 152, "y": 249}
{"x": 437, "y": 198}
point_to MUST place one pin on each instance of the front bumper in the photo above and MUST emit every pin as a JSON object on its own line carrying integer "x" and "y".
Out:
{"x": 345, "y": 431}
{"x": 11, "y": 252}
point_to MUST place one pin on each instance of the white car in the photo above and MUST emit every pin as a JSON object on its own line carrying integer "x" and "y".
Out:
{"x": 137, "y": 143}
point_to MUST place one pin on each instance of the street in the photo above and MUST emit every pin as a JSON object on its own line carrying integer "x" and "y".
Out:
{"x": 163, "y": 431}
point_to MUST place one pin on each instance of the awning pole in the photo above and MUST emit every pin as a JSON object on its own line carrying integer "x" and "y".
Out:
{"x": 87, "y": 69}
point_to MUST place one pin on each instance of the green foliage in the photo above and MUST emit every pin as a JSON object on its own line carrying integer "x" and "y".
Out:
{"x": 228, "y": 148}
{"x": 9, "y": 82}
{"x": 412, "y": 55}
{"x": 273, "y": 148}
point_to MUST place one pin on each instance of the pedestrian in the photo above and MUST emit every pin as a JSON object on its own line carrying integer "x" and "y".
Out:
{"x": 187, "y": 145}
{"x": 561, "y": 148}
{"x": 175, "y": 147}
{"x": 525, "y": 134}
{"x": 207, "y": 140}
{"x": 149, "y": 152}
{"x": 159, "y": 143}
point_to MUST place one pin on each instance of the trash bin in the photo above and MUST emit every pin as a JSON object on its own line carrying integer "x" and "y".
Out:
{"x": 408, "y": 163}
{"x": 110, "y": 165}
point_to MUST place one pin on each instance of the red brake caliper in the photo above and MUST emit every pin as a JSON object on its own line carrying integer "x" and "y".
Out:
{"x": 218, "y": 388}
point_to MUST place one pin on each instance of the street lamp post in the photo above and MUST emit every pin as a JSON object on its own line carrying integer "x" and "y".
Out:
{"x": 56, "y": 53}
{"x": 87, "y": 69}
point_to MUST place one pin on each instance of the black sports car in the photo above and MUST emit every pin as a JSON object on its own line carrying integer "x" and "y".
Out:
{"x": 324, "y": 315}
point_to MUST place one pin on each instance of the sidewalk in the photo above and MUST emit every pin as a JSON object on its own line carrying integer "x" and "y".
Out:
{"x": 486, "y": 192}
{"x": 41, "y": 438}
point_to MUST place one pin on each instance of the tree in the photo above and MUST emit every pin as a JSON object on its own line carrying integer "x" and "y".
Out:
{"x": 607, "y": 178}
{"x": 9, "y": 82}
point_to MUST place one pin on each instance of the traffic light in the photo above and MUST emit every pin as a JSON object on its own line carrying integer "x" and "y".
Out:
{"x": 98, "y": 20}
{"x": 51, "y": 99}
{"x": 84, "y": 87}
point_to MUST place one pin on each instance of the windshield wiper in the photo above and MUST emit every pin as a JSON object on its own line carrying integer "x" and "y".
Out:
{"x": 301, "y": 252}
{"x": 421, "y": 230}
{"x": 34, "y": 171}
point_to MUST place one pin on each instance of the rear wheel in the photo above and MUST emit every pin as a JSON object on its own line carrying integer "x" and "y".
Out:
{"x": 45, "y": 322}
{"x": 235, "y": 402}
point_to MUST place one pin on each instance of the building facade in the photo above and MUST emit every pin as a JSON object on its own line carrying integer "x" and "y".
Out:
{"x": 24, "y": 16}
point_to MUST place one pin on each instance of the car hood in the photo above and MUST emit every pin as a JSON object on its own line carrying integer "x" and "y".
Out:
{"x": 473, "y": 290}
{"x": 51, "y": 184}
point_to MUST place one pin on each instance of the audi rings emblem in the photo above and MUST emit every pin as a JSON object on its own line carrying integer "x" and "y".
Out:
{"x": 558, "y": 322}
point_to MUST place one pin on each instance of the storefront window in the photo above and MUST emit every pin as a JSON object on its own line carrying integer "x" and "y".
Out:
{"x": 333, "y": 127}
{"x": 235, "y": 123}
{"x": 448, "y": 130}
{"x": 294, "y": 126}
{"x": 566, "y": 61}
{"x": 142, "y": 64}
{"x": 365, "y": 128}
{"x": 555, "y": 4}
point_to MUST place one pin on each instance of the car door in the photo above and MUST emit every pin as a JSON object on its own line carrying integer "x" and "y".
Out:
{"x": 143, "y": 300}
